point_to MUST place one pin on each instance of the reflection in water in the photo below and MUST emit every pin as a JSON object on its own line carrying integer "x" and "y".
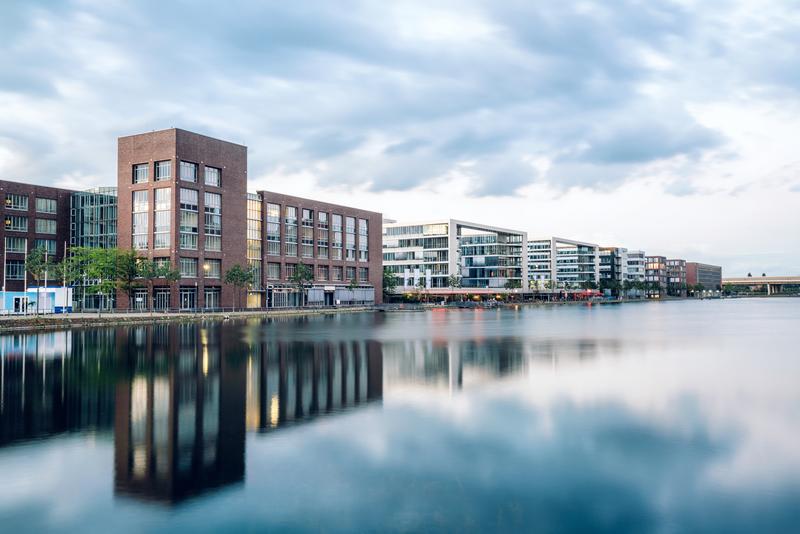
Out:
{"x": 603, "y": 419}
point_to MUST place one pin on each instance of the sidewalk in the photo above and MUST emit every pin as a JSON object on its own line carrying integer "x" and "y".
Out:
{"x": 80, "y": 319}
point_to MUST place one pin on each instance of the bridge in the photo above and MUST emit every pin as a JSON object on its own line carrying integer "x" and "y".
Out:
{"x": 773, "y": 283}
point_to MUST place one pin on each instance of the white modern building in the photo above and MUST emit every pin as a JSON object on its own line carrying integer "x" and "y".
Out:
{"x": 426, "y": 254}
{"x": 564, "y": 262}
{"x": 637, "y": 261}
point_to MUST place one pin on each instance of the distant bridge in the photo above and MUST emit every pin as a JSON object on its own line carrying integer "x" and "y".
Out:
{"x": 773, "y": 283}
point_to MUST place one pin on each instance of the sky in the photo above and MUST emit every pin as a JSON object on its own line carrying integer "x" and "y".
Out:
{"x": 667, "y": 126}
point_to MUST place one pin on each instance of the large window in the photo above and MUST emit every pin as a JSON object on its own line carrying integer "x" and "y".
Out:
{"x": 16, "y": 202}
{"x": 140, "y": 173}
{"x": 45, "y": 226}
{"x": 46, "y": 205}
{"x": 273, "y": 230}
{"x": 336, "y": 242}
{"x": 212, "y": 176}
{"x": 163, "y": 170}
{"x": 350, "y": 239}
{"x": 363, "y": 240}
{"x": 363, "y": 274}
{"x": 16, "y": 244}
{"x": 322, "y": 273}
{"x": 307, "y": 234}
{"x": 141, "y": 209}
{"x": 189, "y": 219}
{"x": 273, "y": 271}
{"x": 291, "y": 231}
{"x": 188, "y": 267}
{"x": 212, "y": 268}
{"x": 16, "y": 223}
{"x": 337, "y": 273}
{"x": 48, "y": 245}
{"x": 161, "y": 236}
{"x": 212, "y": 206}
{"x": 188, "y": 171}
{"x": 15, "y": 270}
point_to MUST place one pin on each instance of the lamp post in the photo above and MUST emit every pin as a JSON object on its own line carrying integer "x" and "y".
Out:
{"x": 206, "y": 268}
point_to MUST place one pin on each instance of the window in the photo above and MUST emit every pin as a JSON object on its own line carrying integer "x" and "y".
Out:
{"x": 45, "y": 226}
{"x": 363, "y": 274}
{"x": 308, "y": 241}
{"x": 16, "y": 202}
{"x": 162, "y": 263}
{"x": 48, "y": 245}
{"x": 140, "y": 173}
{"x": 350, "y": 239}
{"x": 163, "y": 170}
{"x": 212, "y": 206}
{"x": 188, "y": 171}
{"x": 16, "y": 244}
{"x": 273, "y": 230}
{"x": 46, "y": 205}
{"x": 15, "y": 270}
{"x": 322, "y": 220}
{"x": 189, "y": 219}
{"x": 350, "y": 273}
{"x": 212, "y": 176}
{"x": 336, "y": 243}
{"x": 363, "y": 241}
{"x": 163, "y": 224}
{"x": 212, "y": 268}
{"x": 188, "y": 267}
{"x": 16, "y": 223}
{"x": 322, "y": 272}
{"x": 308, "y": 218}
{"x": 273, "y": 271}
{"x": 290, "y": 269}
{"x": 141, "y": 209}
{"x": 337, "y": 274}
{"x": 291, "y": 231}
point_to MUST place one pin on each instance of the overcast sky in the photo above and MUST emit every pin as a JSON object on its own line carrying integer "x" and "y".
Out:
{"x": 673, "y": 127}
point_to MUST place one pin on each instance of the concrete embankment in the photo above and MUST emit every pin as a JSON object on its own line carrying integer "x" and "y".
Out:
{"x": 17, "y": 323}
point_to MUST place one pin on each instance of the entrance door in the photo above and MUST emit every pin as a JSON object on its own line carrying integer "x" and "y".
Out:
{"x": 329, "y": 298}
{"x": 188, "y": 298}
{"x": 20, "y": 303}
{"x": 161, "y": 299}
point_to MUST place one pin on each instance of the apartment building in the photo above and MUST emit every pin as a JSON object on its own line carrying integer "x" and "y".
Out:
{"x": 676, "y": 277}
{"x": 562, "y": 263}
{"x": 613, "y": 264}
{"x": 181, "y": 195}
{"x": 637, "y": 266}
{"x": 34, "y": 216}
{"x": 709, "y": 276}
{"x": 426, "y": 254}
{"x": 340, "y": 244}
{"x": 656, "y": 273}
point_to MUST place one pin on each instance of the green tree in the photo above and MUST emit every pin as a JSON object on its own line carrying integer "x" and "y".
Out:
{"x": 101, "y": 267}
{"x": 239, "y": 277}
{"x": 39, "y": 264}
{"x": 150, "y": 271}
{"x": 513, "y": 284}
{"x": 454, "y": 281}
{"x": 588, "y": 284}
{"x": 303, "y": 276}
{"x": 390, "y": 281}
{"x": 130, "y": 271}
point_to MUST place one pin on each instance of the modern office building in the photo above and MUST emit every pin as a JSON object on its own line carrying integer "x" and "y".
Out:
{"x": 563, "y": 263}
{"x": 341, "y": 246}
{"x": 426, "y": 254}
{"x": 676, "y": 277}
{"x": 709, "y": 276}
{"x": 656, "y": 273}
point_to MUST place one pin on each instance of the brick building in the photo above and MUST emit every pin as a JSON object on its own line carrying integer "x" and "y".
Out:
{"x": 181, "y": 195}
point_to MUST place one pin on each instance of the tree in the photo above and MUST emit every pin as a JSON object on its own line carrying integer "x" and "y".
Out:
{"x": 130, "y": 269}
{"x": 513, "y": 284}
{"x": 389, "y": 281}
{"x": 100, "y": 265}
{"x": 588, "y": 284}
{"x": 302, "y": 276}
{"x": 38, "y": 263}
{"x": 149, "y": 270}
{"x": 454, "y": 281}
{"x": 239, "y": 277}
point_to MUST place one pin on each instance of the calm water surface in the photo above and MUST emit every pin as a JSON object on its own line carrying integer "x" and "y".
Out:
{"x": 653, "y": 417}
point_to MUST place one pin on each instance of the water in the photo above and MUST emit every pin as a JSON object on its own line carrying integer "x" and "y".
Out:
{"x": 652, "y": 417}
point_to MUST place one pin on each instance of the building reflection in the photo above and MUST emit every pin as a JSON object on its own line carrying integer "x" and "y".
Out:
{"x": 291, "y": 382}
{"x": 45, "y": 392}
{"x": 179, "y": 427}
